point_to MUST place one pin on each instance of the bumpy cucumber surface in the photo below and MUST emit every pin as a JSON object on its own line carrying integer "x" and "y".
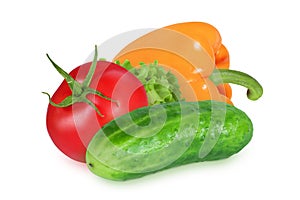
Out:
{"x": 159, "y": 137}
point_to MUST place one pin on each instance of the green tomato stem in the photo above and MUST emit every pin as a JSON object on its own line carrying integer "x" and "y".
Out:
{"x": 89, "y": 76}
{"x": 79, "y": 90}
{"x": 220, "y": 76}
{"x": 74, "y": 85}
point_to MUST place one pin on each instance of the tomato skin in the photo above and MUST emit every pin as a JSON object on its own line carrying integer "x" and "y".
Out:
{"x": 71, "y": 128}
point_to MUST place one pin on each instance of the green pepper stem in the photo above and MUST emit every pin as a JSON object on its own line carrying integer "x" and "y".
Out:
{"x": 221, "y": 76}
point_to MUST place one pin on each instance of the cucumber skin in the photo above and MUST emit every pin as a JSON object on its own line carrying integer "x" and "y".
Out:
{"x": 235, "y": 135}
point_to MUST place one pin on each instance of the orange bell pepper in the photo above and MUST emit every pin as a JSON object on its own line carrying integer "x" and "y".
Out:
{"x": 192, "y": 51}
{"x": 203, "y": 32}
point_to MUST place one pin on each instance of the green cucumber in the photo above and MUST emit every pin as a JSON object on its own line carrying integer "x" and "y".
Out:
{"x": 159, "y": 137}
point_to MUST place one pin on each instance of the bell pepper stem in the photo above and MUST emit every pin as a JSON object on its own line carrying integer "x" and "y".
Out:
{"x": 221, "y": 76}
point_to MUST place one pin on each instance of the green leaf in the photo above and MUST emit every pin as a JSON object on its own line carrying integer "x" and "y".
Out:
{"x": 161, "y": 85}
{"x": 126, "y": 64}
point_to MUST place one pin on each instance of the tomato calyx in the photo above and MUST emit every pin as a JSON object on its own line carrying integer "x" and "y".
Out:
{"x": 79, "y": 90}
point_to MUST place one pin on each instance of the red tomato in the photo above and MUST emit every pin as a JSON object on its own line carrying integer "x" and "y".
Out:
{"x": 71, "y": 128}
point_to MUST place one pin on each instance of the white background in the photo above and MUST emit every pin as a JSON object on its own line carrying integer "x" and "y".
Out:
{"x": 263, "y": 40}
